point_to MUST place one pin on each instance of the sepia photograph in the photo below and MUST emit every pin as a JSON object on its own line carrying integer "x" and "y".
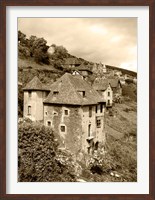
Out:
{"x": 77, "y": 99}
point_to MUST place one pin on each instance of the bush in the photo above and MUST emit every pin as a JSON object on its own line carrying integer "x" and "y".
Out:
{"x": 119, "y": 158}
{"x": 38, "y": 155}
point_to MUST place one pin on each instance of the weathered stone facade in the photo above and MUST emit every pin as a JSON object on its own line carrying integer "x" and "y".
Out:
{"x": 76, "y": 125}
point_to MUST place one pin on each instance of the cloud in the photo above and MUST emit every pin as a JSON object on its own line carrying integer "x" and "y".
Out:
{"x": 112, "y": 41}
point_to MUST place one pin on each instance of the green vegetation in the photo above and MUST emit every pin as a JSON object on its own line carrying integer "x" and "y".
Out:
{"x": 39, "y": 159}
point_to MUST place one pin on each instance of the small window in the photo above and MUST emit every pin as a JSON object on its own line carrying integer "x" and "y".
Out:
{"x": 96, "y": 109}
{"x": 29, "y": 110}
{"x": 62, "y": 128}
{"x": 108, "y": 94}
{"x": 83, "y": 93}
{"x": 49, "y": 123}
{"x": 46, "y": 113}
{"x": 66, "y": 112}
{"x": 98, "y": 123}
{"x": 101, "y": 108}
{"x": 90, "y": 111}
{"x": 108, "y": 102}
{"x": 30, "y": 94}
{"x": 55, "y": 113}
{"x": 55, "y": 93}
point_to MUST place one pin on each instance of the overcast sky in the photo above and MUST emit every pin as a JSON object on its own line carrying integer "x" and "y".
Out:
{"x": 112, "y": 41}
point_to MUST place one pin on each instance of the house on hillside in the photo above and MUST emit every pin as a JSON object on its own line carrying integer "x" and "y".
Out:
{"x": 116, "y": 86}
{"x": 103, "y": 87}
{"x": 71, "y": 63}
{"x": 99, "y": 69}
{"x": 34, "y": 94}
{"x": 84, "y": 70}
{"x": 73, "y": 109}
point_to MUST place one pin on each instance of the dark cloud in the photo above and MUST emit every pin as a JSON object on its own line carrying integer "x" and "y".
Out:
{"x": 112, "y": 41}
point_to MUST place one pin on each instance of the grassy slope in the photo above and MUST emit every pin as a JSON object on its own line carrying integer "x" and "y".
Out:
{"x": 24, "y": 63}
{"x": 124, "y": 121}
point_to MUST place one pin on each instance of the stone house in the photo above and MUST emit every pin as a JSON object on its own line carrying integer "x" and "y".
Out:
{"x": 116, "y": 86}
{"x": 73, "y": 109}
{"x": 84, "y": 70}
{"x": 103, "y": 87}
{"x": 71, "y": 63}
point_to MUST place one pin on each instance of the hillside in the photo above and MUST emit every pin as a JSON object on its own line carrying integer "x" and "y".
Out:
{"x": 124, "y": 71}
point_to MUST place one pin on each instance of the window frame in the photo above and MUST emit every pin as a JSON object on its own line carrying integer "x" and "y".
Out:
{"x": 98, "y": 122}
{"x": 29, "y": 110}
{"x": 62, "y": 125}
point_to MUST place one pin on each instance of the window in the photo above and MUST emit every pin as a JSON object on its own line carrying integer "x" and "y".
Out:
{"x": 98, "y": 122}
{"x": 90, "y": 111}
{"x": 55, "y": 113}
{"x": 108, "y": 102}
{"x": 96, "y": 109}
{"x": 55, "y": 93}
{"x": 29, "y": 110}
{"x": 49, "y": 123}
{"x": 89, "y": 128}
{"x": 30, "y": 94}
{"x": 66, "y": 112}
{"x": 82, "y": 93}
{"x": 62, "y": 128}
{"x": 108, "y": 94}
{"x": 46, "y": 113}
{"x": 101, "y": 108}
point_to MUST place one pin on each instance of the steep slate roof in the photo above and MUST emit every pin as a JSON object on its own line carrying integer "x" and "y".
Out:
{"x": 100, "y": 84}
{"x": 68, "y": 88}
{"x": 36, "y": 84}
{"x": 114, "y": 82}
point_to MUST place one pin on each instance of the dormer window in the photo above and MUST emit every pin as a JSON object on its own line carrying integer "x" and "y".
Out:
{"x": 82, "y": 93}
{"x": 55, "y": 93}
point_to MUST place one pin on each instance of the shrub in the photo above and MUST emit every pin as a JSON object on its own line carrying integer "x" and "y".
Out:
{"x": 119, "y": 158}
{"x": 38, "y": 156}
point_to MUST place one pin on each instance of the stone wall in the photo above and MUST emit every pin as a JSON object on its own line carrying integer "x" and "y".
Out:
{"x": 70, "y": 138}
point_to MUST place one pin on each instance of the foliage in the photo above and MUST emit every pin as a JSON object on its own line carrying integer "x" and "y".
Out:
{"x": 120, "y": 159}
{"x": 20, "y": 101}
{"x": 130, "y": 91}
{"x": 38, "y": 157}
{"x": 33, "y": 47}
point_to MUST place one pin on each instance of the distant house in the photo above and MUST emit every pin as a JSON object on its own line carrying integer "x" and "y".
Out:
{"x": 73, "y": 109}
{"x": 122, "y": 80}
{"x": 71, "y": 63}
{"x": 99, "y": 69}
{"x": 34, "y": 94}
{"x": 118, "y": 73}
{"x": 116, "y": 86}
{"x": 84, "y": 70}
{"x": 103, "y": 87}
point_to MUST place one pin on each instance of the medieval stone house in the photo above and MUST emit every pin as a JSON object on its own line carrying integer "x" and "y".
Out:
{"x": 73, "y": 109}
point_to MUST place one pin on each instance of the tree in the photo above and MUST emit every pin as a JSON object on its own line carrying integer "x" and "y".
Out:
{"x": 38, "y": 49}
{"x": 60, "y": 52}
